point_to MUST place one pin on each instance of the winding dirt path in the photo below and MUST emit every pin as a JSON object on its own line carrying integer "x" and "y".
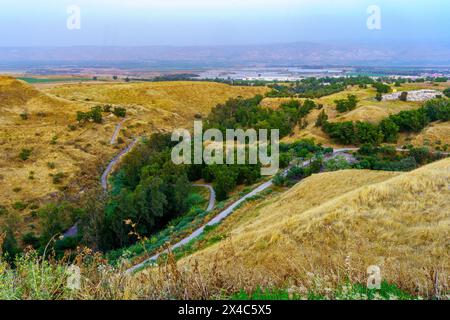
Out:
{"x": 113, "y": 162}
{"x": 117, "y": 131}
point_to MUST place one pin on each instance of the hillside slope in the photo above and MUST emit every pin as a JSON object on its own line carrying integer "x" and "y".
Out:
{"x": 158, "y": 104}
{"x": 45, "y": 151}
{"x": 331, "y": 227}
{"x": 368, "y": 110}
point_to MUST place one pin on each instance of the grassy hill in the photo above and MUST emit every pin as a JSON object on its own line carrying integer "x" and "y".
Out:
{"x": 160, "y": 104}
{"x": 368, "y": 110}
{"x": 45, "y": 151}
{"x": 329, "y": 228}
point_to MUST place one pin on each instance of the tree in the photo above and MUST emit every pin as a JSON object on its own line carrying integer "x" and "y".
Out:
{"x": 352, "y": 102}
{"x": 381, "y": 87}
{"x": 321, "y": 118}
{"x": 447, "y": 92}
{"x": 341, "y": 105}
{"x": 10, "y": 248}
{"x": 349, "y": 104}
{"x": 54, "y": 220}
{"x": 390, "y": 130}
{"x": 379, "y": 97}
{"x": 368, "y": 133}
{"x": 92, "y": 221}
{"x": 403, "y": 96}
{"x": 120, "y": 112}
{"x": 225, "y": 181}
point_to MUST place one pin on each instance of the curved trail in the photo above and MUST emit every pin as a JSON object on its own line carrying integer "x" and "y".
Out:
{"x": 116, "y": 131}
{"x": 113, "y": 162}
{"x": 212, "y": 195}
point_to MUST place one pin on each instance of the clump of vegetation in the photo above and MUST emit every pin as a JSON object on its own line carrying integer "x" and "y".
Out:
{"x": 321, "y": 119}
{"x": 25, "y": 154}
{"x": 94, "y": 115}
{"x": 58, "y": 177}
{"x": 54, "y": 140}
{"x": 120, "y": 112}
{"x": 316, "y": 87}
{"x": 24, "y": 116}
{"x": 20, "y": 206}
{"x": 403, "y": 96}
{"x": 51, "y": 165}
{"x": 337, "y": 163}
{"x": 345, "y": 105}
{"x": 447, "y": 92}
{"x": 247, "y": 113}
{"x": 382, "y": 88}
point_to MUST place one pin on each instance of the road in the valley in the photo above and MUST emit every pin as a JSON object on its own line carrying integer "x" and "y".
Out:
{"x": 222, "y": 215}
{"x": 225, "y": 213}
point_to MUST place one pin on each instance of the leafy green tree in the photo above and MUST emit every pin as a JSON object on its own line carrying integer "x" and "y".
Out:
{"x": 447, "y": 92}
{"x": 403, "y": 96}
{"x": 120, "y": 112}
{"x": 382, "y": 88}
{"x": 321, "y": 118}
{"x": 225, "y": 181}
{"x": 390, "y": 130}
{"x": 10, "y": 248}
{"x": 54, "y": 220}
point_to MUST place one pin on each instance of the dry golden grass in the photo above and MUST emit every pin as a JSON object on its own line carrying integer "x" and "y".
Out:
{"x": 161, "y": 104}
{"x": 332, "y": 226}
{"x": 435, "y": 135}
{"x": 80, "y": 154}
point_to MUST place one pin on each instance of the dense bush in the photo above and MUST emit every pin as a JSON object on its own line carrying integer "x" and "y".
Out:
{"x": 247, "y": 113}
{"x": 316, "y": 87}
{"x": 345, "y": 105}
{"x": 95, "y": 115}
{"x": 447, "y": 92}
{"x": 381, "y": 87}
{"x": 25, "y": 154}
{"x": 120, "y": 112}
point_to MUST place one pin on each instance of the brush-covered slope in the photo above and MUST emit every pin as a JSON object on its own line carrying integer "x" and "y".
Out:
{"x": 45, "y": 151}
{"x": 332, "y": 226}
{"x": 368, "y": 109}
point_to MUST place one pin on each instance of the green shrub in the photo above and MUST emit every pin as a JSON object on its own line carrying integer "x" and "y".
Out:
{"x": 58, "y": 177}
{"x": 30, "y": 239}
{"x": 51, "y": 165}
{"x": 19, "y": 206}
{"x": 447, "y": 92}
{"x": 25, "y": 154}
{"x": 120, "y": 112}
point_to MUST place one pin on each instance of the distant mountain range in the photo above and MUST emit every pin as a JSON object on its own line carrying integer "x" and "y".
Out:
{"x": 303, "y": 53}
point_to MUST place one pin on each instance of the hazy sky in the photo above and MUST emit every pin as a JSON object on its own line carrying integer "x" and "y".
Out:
{"x": 219, "y": 22}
